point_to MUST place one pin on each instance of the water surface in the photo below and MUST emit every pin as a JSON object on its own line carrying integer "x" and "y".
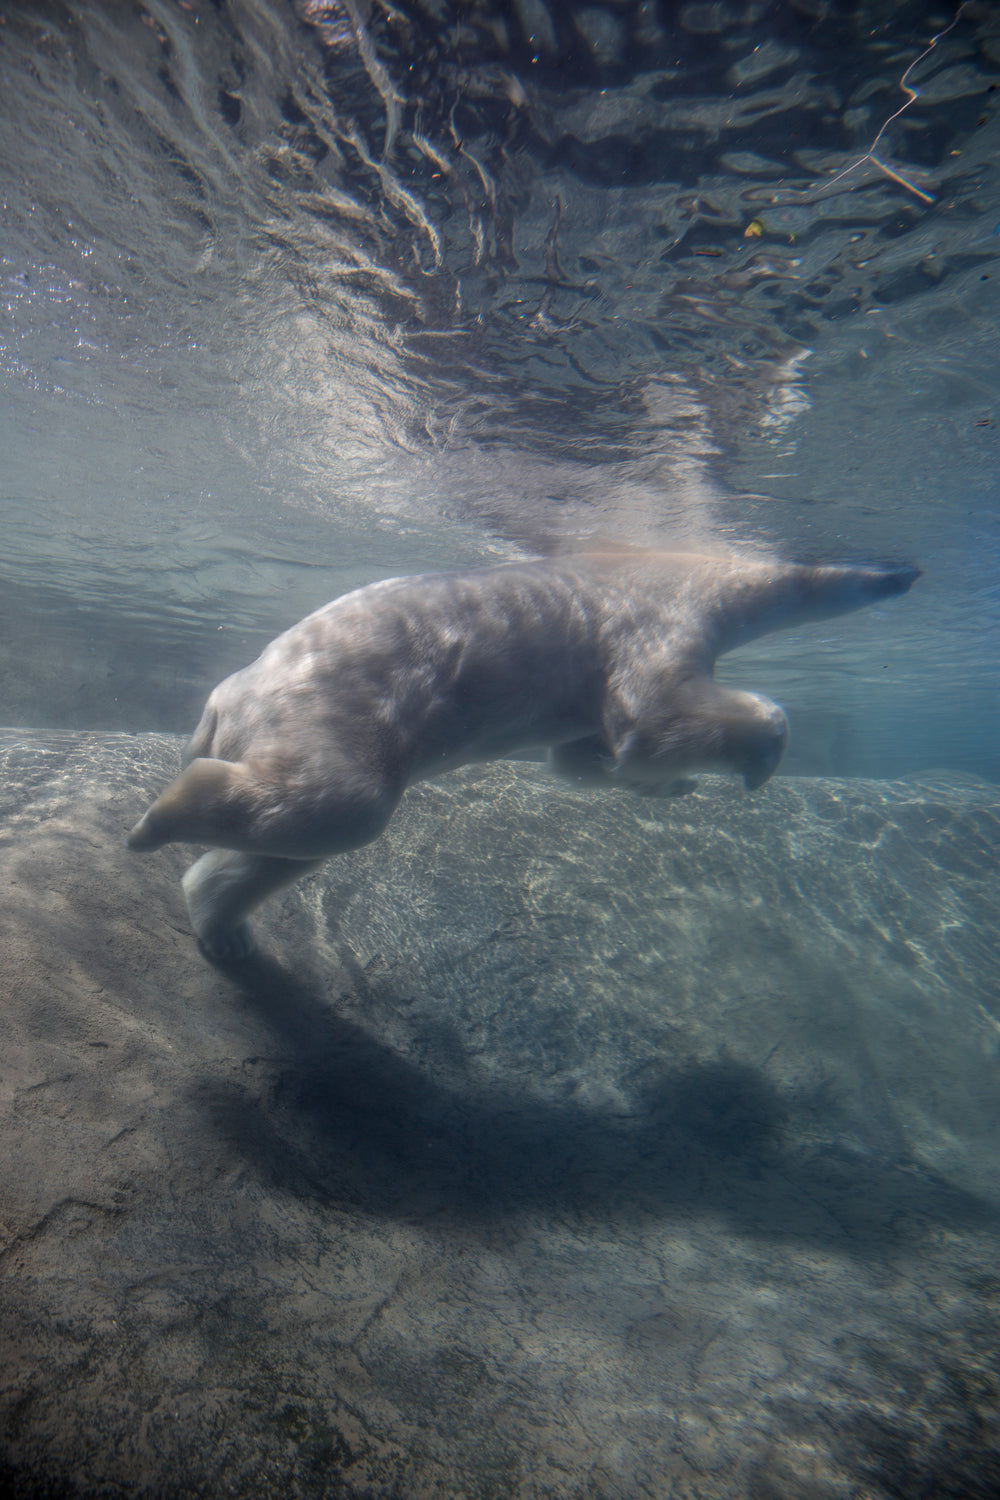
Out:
{"x": 296, "y": 297}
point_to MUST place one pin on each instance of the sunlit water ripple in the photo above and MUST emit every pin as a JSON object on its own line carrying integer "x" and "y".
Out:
{"x": 352, "y": 291}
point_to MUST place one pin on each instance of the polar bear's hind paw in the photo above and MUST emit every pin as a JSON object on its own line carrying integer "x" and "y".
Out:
{"x": 228, "y": 945}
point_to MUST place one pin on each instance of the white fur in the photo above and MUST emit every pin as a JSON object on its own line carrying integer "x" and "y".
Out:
{"x": 606, "y": 660}
{"x": 223, "y": 886}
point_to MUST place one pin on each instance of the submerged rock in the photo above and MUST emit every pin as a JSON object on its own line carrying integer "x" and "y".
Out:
{"x": 558, "y": 1144}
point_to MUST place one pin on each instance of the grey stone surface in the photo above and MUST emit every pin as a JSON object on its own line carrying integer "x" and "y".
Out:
{"x": 557, "y": 1145}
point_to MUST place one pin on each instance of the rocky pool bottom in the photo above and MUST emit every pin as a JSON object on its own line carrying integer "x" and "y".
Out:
{"x": 557, "y": 1144}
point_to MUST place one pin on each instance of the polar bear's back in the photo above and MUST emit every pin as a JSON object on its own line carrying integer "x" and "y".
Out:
{"x": 433, "y": 671}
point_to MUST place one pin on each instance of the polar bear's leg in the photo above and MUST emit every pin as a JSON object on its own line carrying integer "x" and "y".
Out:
{"x": 589, "y": 762}
{"x": 697, "y": 725}
{"x": 272, "y": 808}
{"x": 210, "y": 798}
{"x": 223, "y": 887}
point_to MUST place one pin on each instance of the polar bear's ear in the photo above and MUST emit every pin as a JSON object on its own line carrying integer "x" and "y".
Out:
{"x": 206, "y": 803}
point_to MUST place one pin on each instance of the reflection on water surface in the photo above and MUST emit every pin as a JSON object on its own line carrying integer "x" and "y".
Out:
{"x": 375, "y": 289}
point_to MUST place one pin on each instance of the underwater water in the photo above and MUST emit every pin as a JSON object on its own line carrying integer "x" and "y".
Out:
{"x": 559, "y": 1143}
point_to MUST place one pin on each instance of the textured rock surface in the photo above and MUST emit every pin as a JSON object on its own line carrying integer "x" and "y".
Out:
{"x": 558, "y": 1145}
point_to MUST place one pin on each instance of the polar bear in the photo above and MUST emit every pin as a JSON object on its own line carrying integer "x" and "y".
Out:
{"x": 604, "y": 659}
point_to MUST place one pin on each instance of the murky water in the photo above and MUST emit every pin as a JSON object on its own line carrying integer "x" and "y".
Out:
{"x": 300, "y": 295}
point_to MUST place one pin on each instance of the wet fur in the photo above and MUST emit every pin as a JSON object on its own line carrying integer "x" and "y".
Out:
{"x": 606, "y": 660}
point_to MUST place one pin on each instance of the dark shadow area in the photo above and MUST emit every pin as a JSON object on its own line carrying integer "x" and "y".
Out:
{"x": 903, "y": 1458}
{"x": 955, "y": 1462}
{"x": 350, "y": 1122}
{"x": 32, "y": 1482}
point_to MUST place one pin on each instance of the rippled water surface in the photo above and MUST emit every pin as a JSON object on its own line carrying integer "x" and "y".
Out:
{"x": 295, "y": 296}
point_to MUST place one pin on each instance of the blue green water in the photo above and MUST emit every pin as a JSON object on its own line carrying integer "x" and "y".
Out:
{"x": 295, "y": 300}
{"x": 558, "y": 1147}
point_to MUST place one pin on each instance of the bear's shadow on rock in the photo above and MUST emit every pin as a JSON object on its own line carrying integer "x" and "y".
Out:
{"x": 347, "y": 1122}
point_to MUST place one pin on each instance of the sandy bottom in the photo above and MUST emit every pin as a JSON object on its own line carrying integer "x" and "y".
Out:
{"x": 557, "y": 1145}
